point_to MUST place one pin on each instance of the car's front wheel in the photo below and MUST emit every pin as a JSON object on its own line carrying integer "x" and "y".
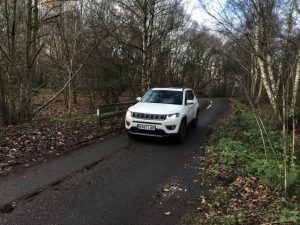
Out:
{"x": 181, "y": 133}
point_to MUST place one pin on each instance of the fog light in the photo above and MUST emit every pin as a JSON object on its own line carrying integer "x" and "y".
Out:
{"x": 127, "y": 123}
{"x": 171, "y": 127}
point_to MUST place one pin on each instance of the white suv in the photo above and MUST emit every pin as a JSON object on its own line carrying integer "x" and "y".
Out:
{"x": 163, "y": 112}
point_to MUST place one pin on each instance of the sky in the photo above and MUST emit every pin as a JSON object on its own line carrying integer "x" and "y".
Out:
{"x": 198, "y": 14}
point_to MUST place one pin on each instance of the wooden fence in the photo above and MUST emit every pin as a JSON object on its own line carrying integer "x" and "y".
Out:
{"x": 112, "y": 110}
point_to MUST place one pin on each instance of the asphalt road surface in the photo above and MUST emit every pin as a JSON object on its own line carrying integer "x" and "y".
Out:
{"x": 133, "y": 186}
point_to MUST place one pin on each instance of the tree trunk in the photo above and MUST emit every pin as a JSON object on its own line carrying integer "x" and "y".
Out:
{"x": 254, "y": 77}
{"x": 145, "y": 77}
{"x": 69, "y": 94}
{"x": 296, "y": 86}
{"x": 31, "y": 55}
{"x": 264, "y": 65}
{"x": 259, "y": 93}
{"x": 75, "y": 100}
{"x": 12, "y": 117}
{"x": 147, "y": 33}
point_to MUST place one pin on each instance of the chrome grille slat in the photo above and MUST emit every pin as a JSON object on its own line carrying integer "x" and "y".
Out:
{"x": 148, "y": 116}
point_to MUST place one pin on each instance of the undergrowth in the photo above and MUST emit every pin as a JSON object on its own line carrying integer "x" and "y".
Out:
{"x": 249, "y": 174}
{"x": 239, "y": 150}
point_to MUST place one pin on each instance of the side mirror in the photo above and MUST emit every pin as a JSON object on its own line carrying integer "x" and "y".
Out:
{"x": 138, "y": 99}
{"x": 189, "y": 102}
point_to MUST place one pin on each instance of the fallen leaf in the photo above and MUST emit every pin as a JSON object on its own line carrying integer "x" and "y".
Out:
{"x": 248, "y": 190}
{"x": 167, "y": 213}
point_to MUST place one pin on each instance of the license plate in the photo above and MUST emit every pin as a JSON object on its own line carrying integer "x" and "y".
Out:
{"x": 145, "y": 127}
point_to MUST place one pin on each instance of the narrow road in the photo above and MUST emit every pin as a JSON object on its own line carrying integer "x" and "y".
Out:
{"x": 125, "y": 188}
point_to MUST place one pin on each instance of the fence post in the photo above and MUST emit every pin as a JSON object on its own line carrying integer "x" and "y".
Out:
{"x": 98, "y": 117}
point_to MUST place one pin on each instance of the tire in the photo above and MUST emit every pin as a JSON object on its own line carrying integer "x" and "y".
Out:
{"x": 180, "y": 137}
{"x": 131, "y": 136}
{"x": 194, "y": 124}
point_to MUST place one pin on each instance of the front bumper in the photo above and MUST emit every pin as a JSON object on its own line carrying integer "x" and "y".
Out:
{"x": 162, "y": 128}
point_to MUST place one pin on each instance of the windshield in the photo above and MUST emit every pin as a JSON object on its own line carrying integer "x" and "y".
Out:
{"x": 163, "y": 96}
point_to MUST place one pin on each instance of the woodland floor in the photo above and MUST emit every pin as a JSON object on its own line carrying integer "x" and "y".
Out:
{"x": 52, "y": 133}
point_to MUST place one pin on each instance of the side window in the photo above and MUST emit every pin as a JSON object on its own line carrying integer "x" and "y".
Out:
{"x": 189, "y": 96}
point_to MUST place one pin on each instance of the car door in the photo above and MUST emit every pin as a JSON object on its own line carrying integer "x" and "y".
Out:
{"x": 190, "y": 108}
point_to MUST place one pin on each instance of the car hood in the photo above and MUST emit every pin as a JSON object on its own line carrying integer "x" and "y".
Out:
{"x": 155, "y": 108}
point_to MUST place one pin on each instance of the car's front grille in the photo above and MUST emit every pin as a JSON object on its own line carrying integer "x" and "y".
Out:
{"x": 146, "y": 116}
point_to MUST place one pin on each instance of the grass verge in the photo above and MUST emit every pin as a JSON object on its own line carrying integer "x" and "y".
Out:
{"x": 248, "y": 175}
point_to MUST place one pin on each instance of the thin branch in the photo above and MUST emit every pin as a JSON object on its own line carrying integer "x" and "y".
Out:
{"x": 73, "y": 75}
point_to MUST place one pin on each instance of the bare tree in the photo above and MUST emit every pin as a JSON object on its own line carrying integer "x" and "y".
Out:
{"x": 153, "y": 21}
{"x": 268, "y": 32}
{"x": 20, "y": 46}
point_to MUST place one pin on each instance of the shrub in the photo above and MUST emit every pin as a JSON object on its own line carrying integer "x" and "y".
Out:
{"x": 238, "y": 148}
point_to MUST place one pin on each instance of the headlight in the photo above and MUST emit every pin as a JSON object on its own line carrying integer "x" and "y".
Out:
{"x": 173, "y": 116}
{"x": 128, "y": 113}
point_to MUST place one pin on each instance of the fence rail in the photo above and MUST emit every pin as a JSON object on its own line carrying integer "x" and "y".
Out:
{"x": 112, "y": 110}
